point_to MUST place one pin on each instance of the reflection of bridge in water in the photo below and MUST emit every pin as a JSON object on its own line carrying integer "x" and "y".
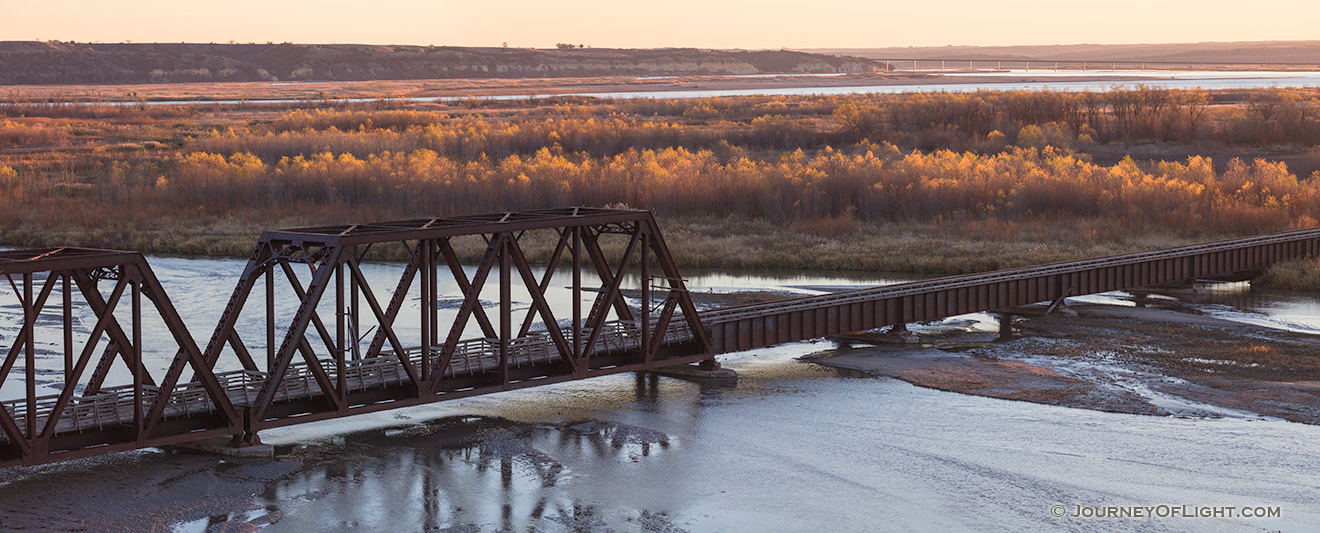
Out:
{"x": 341, "y": 350}
{"x": 476, "y": 469}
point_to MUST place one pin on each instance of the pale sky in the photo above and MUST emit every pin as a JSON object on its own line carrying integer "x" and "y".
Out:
{"x": 650, "y": 24}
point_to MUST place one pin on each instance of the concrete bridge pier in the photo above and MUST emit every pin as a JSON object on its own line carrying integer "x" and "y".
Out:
{"x": 1006, "y": 329}
{"x": 898, "y": 334}
{"x": 229, "y": 448}
{"x": 901, "y": 334}
{"x": 708, "y": 371}
{"x": 1141, "y": 298}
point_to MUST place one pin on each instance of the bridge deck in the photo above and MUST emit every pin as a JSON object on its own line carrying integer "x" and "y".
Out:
{"x": 113, "y": 407}
{"x": 751, "y": 326}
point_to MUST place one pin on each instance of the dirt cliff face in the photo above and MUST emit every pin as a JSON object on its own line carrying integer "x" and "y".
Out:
{"x": 23, "y": 62}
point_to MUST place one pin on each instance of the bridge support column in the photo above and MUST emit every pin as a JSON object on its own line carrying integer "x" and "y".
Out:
{"x": 1005, "y": 325}
{"x": 248, "y": 436}
{"x": 245, "y": 444}
{"x": 1140, "y": 298}
{"x": 219, "y": 446}
{"x": 708, "y": 371}
{"x": 244, "y": 440}
{"x": 900, "y": 333}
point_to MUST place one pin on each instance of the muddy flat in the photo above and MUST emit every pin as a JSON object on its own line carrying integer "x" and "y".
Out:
{"x": 1166, "y": 360}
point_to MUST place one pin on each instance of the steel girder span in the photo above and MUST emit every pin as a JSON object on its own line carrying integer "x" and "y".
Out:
{"x": 743, "y": 328}
{"x": 340, "y": 344}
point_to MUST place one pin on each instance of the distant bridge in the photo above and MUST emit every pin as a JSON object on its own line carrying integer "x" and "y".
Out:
{"x": 334, "y": 346}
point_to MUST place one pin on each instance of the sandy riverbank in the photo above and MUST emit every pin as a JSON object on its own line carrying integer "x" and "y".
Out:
{"x": 1165, "y": 361}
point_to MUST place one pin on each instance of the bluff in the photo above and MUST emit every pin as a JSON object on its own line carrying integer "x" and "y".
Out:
{"x": 1242, "y": 53}
{"x": 43, "y": 63}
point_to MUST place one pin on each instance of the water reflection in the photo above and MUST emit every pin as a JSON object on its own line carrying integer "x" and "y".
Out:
{"x": 646, "y": 387}
{"x": 1294, "y": 311}
{"x": 462, "y": 471}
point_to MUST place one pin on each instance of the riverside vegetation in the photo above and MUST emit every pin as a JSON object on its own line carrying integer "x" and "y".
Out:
{"x": 935, "y": 183}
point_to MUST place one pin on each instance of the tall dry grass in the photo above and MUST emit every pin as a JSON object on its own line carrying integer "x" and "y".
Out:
{"x": 20, "y": 134}
{"x": 827, "y": 169}
{"x": 1020, "y": 184}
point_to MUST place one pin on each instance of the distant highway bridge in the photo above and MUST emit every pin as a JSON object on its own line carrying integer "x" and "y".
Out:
{"x": 342, "y": 348}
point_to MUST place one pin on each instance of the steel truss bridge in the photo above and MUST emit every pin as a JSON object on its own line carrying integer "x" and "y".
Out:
{"x": 334, "y": 345}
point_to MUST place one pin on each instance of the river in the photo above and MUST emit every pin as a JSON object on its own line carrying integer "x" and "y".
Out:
{"x": 792, "y": 447}
{"x": 1013, "y": 80}
{"x": 1029, "y": 80}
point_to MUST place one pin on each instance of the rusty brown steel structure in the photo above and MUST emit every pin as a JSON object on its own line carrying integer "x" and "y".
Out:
{"x": 313, "y": 299}
{"x": 91, "y": 415}
{"x": 318, "y": 370}
{"x": 743, "y": 328}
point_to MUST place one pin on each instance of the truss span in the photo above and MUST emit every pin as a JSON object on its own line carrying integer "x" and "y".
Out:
{"x": 541, "y": 300}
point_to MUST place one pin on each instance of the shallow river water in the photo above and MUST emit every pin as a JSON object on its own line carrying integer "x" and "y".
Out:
{"x": 1028, "y": 80}
{"x": 792, "y": 447}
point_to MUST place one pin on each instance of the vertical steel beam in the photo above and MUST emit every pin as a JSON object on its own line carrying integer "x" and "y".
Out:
{"x": 354, "y": 317}
{"x": 506, "y": 309}
{"x": 89, "y": 349}
{"x": 341, "y": 331}
{"x": 649, "y": 352}
{"x": 16, "y": 350}
{"x": 577, "y": 294}
{"x": 137, "y": 366}
{"x": 434, "y": 296}
{"x": 270, "y": 317}
{"x": 67, "y": 294}
{"x": 427, "y": 312}
{"x": 30, "y": 356}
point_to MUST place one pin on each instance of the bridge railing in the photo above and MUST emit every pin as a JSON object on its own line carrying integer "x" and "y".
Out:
{"x": 113, "y": 407}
